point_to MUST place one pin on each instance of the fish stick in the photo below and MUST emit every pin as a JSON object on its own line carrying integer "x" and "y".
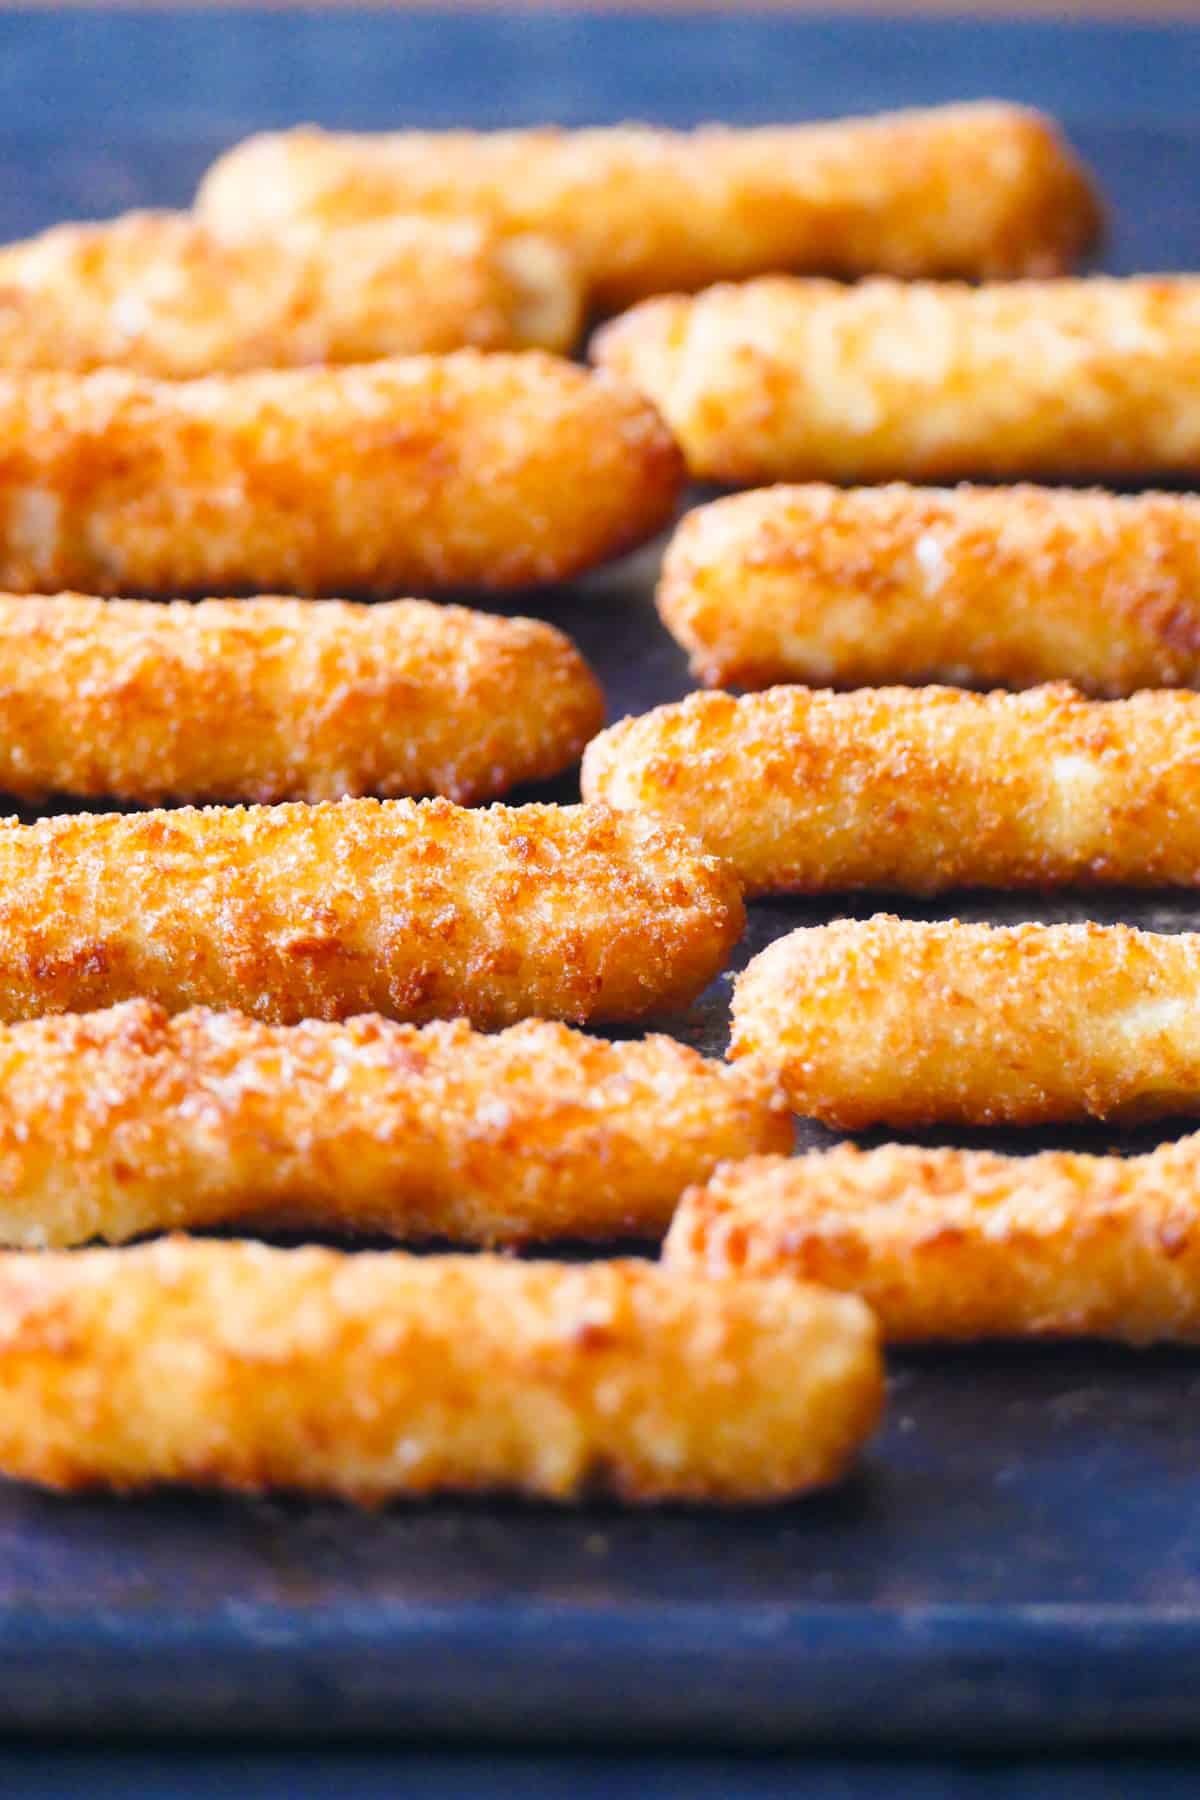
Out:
{"x": 787, "y": 380}
{"x": 980, "y": 190}
{"x": 888, "y": 1021}
{"x": 375, "y": 1376}
{"x": 272, "y": 699}
{"x": 962, "y": 1244}
{"x": 420, "y": 473}
{"x": 984, "y": 586}
{"x": 918, "y": 790}
{"x": 127, "y": 1121}
{"x": 416, "y": 910}
{"x": 168, "y": 295}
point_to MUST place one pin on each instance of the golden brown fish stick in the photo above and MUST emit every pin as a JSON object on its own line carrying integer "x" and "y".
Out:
{"x": 126, "y": 1121}
{"x": 918, "y": 790}
{"x": 370, "y": 1377}
{"x": 962, "y": 1244}
{"x": 785, "y": 380}
{"x": 415, "y": 910}
{"x": 282, "y": 699}
{"x": 887, "y": 1021}
{"x": 981, "y": 190}
{"x": 468, "y": 470}
{"x": 985, "y": 586}
{"x": 166, "y": 294}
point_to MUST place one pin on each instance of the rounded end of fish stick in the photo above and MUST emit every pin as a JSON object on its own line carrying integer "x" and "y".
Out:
{"x": 545, "y": 292}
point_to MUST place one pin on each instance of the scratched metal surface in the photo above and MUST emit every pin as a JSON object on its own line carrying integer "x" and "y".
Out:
{"x": 1018, "y": 1562}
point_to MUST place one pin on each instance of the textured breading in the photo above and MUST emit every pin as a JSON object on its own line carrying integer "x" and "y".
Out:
{"x": 166, "y": 294}
{"x": 424, "y": 472}
{"x": 127, "y": 1121}
{"x": 377, "y": 1376}
{"x": 961, "y": 1244}
{"x": 786, "y": 380}
{"x": 415, "y": 910}
{"x": 980, "y": 190}
{"x": 888, "y": 1021}
{"x": 282, "y": 700}
{"x": 918, "y": 790}
{"x": 985, "y": 586}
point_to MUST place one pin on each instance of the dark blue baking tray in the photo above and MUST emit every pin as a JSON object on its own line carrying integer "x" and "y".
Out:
{"x": 1018, "y": 1561}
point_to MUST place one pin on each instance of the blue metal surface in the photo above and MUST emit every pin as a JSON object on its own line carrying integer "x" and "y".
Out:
{"x": 445, "y": 1775}
{"x": 1019, "y": 1561}
{"x": 184, "y": 71}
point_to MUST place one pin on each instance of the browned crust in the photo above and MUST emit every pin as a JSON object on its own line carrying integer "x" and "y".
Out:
{"x": 376, "y": 1376}
{"x": 127, "y": 1121}
{"x": 411, "y": 475}
{"x": 978, "y": 191}
{"x": 168, "y": 295}
{"x": 958, "y": 1244}
{"x": 271, "y": 699}
{"x": 888, "y": 1021}
{"x": 790, "y": 380}
{"x": 983, "y": 586}
{"x": 415, "y": 910}
{"x": 919, "y": 790}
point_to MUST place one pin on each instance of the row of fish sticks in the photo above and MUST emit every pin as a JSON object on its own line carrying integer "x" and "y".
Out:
{"x": 333, "y": 378}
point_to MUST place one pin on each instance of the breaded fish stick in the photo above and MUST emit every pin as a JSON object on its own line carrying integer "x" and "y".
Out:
{"x": 961, "y": 1244}
{"x": 468, "y": 470}
{"x": 887, "y": 1021}
{"x": 982, "y": 190}
{"x": 126, "y": 1121}
{"x": 784, "y": 380}
{"x": 370, "y": 1377}
{"x": 166, "y": 294}
{"x": 282, "y": 700}
{"x": 417, "y": 911}
{"x": 918, "y": 790}
{"x": 985, "y": 586}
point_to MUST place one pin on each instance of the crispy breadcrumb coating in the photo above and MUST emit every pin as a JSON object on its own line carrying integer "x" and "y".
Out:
{"x": 282, "y": 700}
{"x": 977, "y": 190}
{"x": 887, "y": 1021}
{"x": 418, "y": 911}
{"x": 127, "y": 1121}
{"x": 168, "y": 295}
{"x": 963, "y": 1244}
{"x": 371, "y": 1377}
{"x": 919, "y": 790}
{"x": 786, "y": 380}
{"x": 422, "y": 473}
{"x": 984, "y": 586}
